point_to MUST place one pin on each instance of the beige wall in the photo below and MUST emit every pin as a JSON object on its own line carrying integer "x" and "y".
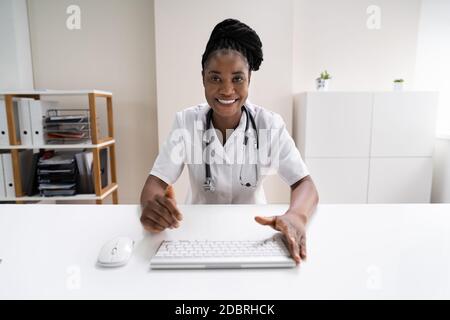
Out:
{"x": 182, "y": 31}
{"x": 114, "y": 51}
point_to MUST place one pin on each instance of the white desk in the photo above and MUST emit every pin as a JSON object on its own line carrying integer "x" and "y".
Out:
{"x": 355, "y": 251}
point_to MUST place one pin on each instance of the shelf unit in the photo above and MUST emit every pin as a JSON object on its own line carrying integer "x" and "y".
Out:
{"x": 97, "y": 144}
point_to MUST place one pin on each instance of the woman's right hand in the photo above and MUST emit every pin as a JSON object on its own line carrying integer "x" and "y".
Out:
{"x": 160, "y": 212}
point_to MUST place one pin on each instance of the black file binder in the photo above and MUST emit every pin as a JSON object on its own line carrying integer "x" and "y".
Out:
{"x": 104, "y": 166}
{"x": 31, "y": 185}
{"x": 27, "y": 162}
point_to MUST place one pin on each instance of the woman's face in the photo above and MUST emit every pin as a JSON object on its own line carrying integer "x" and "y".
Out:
{"x": 226, "y": 79}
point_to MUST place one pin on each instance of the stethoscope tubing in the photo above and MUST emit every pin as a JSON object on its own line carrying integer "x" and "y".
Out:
{"x": 208, "y": 185}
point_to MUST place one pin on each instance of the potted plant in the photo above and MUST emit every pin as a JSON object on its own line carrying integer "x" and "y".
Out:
{"x": 323, "y": 82}
{"x": 398, "y": 84}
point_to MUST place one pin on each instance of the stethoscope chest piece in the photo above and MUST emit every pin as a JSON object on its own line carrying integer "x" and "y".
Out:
{"x": 209, "y": 185}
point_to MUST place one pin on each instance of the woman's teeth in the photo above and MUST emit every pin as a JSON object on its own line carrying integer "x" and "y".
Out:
{"x": 226, "y": 101}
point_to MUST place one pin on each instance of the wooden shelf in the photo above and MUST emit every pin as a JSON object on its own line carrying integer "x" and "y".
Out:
{"x": 108, "y": 190}
{"x": 97, "y": 143}
{"x": 62, "y": 146}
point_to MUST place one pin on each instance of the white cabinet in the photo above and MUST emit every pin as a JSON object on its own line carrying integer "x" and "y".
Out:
{"x": 371, "y": 147}
{"x": 403, "y": 124}
{"x": 335, "y": 124}
{"x": 340, "y": 180}
{"x": 400, "y": 180}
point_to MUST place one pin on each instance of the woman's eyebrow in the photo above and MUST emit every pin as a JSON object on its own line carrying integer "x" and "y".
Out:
{"x": 218, "y": 72}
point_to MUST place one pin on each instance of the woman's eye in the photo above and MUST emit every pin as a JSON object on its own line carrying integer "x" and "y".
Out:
{"x": 235, "y": 80}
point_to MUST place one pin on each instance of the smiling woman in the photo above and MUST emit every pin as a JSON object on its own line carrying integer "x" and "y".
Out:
{"x": 231, "y": 130}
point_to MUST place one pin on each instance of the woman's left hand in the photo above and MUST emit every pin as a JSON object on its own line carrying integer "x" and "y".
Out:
{"x": 293, "y": 228}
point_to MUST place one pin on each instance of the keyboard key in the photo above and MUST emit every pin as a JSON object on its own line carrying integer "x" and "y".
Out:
{"x": 204, "y": 248}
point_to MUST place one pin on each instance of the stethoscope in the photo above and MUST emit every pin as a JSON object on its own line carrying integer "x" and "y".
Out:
{"x": 209, "y": 184}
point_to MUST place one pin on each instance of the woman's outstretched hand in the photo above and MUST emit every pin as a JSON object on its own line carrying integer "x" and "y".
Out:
{"x": 161, "y": 212}
{"x": 293, "y": 228}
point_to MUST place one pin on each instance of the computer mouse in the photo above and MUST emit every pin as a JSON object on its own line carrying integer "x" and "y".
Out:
{"x": 116, "y": 252}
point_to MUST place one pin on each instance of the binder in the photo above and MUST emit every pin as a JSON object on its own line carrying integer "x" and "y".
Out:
{"x": 8, "y": 175}
{"x": 2, "y": 180}
{"x": 38, "y": 109}
{"x": 23, "y": 109}
{"x": 84, "y": 164}
{"x": 31, "y": 184}
{"x": 4, "y": 136}
{"x": 104, "y": 167}
{"x": 88, "y": 158}
{"x": 26, "y": 167}
{"x": 85, "y": 179}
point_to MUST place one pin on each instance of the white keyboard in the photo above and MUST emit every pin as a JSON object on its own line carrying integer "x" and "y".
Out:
{"x": 203, "y": 254}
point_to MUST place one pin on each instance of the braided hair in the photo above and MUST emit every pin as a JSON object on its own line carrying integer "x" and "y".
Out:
{"x": 235, "y": 35}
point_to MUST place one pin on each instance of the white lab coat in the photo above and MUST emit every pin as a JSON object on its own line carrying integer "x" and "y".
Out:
{"x": 185, "y": 145}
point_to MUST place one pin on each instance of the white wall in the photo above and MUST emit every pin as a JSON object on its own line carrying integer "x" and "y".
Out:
{"x": 182, "y": 31}
{"x": 441, "y": 171}
{"x": 114, "y": 51}
{"x": 432, "y": 73}
{"x": 433, "y": 56}
{"x": 15, "y": 54}
{"x": 333, "y": 35}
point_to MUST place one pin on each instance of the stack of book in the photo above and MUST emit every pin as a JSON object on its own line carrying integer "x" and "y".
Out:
{"x": 67, "y": 126}
{"x": 57, "y": 174}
